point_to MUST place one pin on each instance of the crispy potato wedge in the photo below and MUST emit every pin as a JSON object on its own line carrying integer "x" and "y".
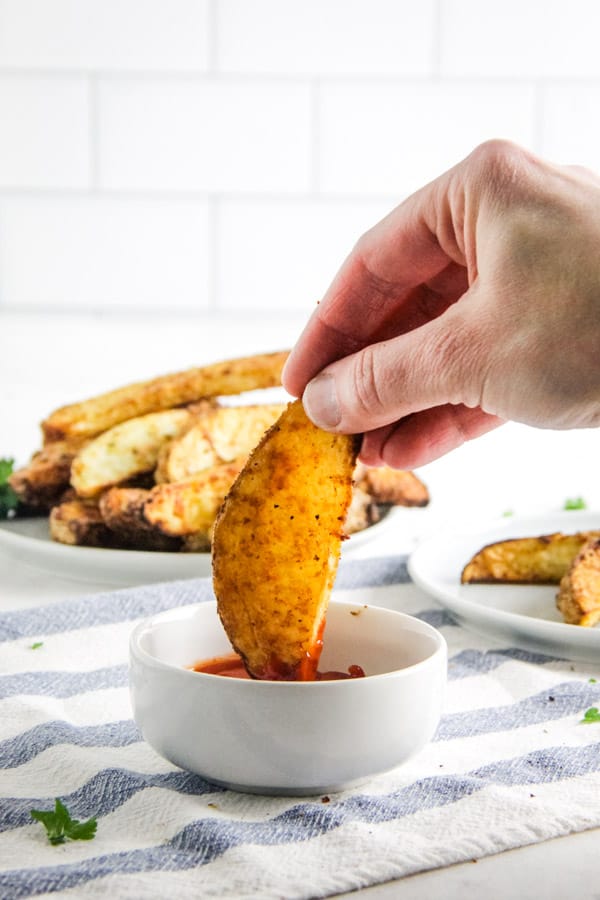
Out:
{"x": 98, "y": 414}
{"x": 276, "y": 545}
{"x": 41, "y": 483}
{"x": 198, "y": 410}
{"x": 190, "y": 507}
{"x": 578, "y": 596}
{"x": 122, "y": 510}
{"x": 529, "y": 560}
{"x": 221, "y": 435}
{"x": 398, "y": 487}
{"x": 80, "y": 523}
{"x": 126, "y": 450}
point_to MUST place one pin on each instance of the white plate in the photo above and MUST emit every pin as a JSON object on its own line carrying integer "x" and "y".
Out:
{"x": 524, "y": 615}
{"x": 28, "y": 541}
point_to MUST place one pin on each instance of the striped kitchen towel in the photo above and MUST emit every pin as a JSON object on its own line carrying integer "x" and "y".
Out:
{"x": 511, "y": 764}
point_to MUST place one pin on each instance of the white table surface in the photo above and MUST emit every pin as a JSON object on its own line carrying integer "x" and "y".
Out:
{"x": 48, "y": 361}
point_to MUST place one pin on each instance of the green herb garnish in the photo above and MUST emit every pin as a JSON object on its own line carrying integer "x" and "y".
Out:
{"x": 591, "y": 715}
{"x": 60, "y": 827}
{"x": 575, "y": 503}
{"x": 8, "y": 499}
{"x": 36, "y": 645}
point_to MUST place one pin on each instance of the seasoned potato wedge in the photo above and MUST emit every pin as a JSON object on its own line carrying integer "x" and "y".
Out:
{"x": 397, "y": 487}
{"x": 221, "y": 435}
{"x": 44, "y": 479}
{"x": 529, "y": 560}
{"x": 80, "y": 523}
{"x": 578, "y": 597}
{"x": 126, "y": 450}
{"x": 276, "y": 545}
{"x": 122, "y": 510}
{"x": 190, "y": 507}
{"x": 90, "y": 417}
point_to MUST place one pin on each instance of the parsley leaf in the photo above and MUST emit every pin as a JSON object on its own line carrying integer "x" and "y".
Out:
{"x": 575, "y": 503}
{"x": 8, "y": 499}
{"x": 591, "y": 715}
{"x": 60, "y": 827}
{"x": 36, "y": 645}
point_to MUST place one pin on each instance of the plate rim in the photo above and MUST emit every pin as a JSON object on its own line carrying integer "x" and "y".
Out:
{"x": 64, "y": 559}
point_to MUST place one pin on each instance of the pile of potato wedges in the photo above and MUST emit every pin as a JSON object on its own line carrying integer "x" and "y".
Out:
{"x": 147, "y": 466}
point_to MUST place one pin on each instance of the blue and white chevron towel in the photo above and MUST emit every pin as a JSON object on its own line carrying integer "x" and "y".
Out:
{"x": 511, "y": 764}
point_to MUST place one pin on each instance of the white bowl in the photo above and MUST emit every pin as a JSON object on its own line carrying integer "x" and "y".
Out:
{"x": 292, "y": 738}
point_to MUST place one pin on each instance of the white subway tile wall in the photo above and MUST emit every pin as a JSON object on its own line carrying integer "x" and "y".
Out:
{"x": 215, "y": 155}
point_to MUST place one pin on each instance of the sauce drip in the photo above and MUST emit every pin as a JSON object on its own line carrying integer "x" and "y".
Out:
{"x": 231, "y": 666}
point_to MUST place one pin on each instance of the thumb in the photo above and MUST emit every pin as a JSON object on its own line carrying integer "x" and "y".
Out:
{"x": 433, "y": 365}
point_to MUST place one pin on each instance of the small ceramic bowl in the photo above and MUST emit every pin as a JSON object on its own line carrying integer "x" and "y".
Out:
{"x": 294, "y": 738}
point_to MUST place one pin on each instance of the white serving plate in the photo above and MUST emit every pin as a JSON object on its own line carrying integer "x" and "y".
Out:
{"x": 28, "y": 541}
{"x": 525, "y": 616}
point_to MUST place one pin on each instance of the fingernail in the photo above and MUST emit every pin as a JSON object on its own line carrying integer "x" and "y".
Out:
{"x": 321, "y": 402}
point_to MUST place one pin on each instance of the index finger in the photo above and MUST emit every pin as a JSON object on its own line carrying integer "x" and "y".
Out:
{"x": 377, "y": 283}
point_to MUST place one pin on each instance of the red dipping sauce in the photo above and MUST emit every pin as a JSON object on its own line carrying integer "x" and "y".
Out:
{"x": 231, "y": 666}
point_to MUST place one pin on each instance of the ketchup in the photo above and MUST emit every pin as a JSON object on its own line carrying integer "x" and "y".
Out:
{"x": 231, "y": 666}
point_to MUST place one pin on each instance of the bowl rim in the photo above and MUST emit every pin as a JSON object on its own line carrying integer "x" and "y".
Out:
{"x": 137, "y": 652}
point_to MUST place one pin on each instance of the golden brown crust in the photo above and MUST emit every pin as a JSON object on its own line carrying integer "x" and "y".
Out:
{"x": 276, "y": 545}
{"x": 530, "y": 560}
{"x": 90, "y": 417}
{"x": 578, "y": 597}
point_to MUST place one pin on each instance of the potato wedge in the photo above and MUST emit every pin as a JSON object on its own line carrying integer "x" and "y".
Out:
{"x": 221, "y": 435}
{"x": 190, "y": 507}
{"x": 196, "y": 543}
{"x": 529, "y": 560}
{"x": 276, "y": 545}
{"x": 199, "y": 411}
{"x": 126, "y": 450}
{"x": 41, "y": 483}
{"x": 80, "y": 523}
{"x": 398, "y": 487}
{"x": 93, "y": 416}
{"x": 122, "y": 510}
{"x": 578, "y": 597}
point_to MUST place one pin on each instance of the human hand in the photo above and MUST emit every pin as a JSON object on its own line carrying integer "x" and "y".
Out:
{"x": 475, "y": 301}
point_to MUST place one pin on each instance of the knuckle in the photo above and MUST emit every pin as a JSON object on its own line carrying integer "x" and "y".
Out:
{"x": 366, "y": 386}
{"x": 502, "y": 165}
{"x": 498, "y": 154}
{"x": 457, "y": 365}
